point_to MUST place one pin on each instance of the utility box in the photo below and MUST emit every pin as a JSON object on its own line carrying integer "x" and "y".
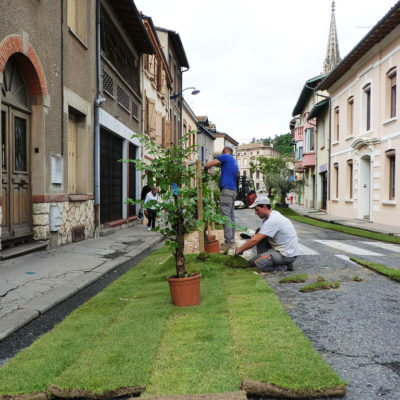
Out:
{"x": 55, "y": 218}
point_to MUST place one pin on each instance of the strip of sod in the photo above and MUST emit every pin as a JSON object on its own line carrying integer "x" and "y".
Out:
{"x": 131, "y": 336}
{"x": 269, "y": 347}
{"x": 380, "y": 268}
{"x": 40, "y": 365}
{"x": 195, "y": 355}
{"x": 290, "y": 213}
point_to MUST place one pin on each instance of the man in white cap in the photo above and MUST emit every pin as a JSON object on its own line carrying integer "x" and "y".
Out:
{"x": 276, "y": 241}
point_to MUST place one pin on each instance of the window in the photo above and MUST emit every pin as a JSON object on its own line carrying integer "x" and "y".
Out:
{"x": 299, "y": 150}
{"x": 309, "y": 137}
{"x": 77, "y": 18}
{"x": 350, "y": 115}
{"x": 392, "y": 91}
{"x": 391, "y": 157}
{"x": 336, "y": 179}
{"x": 336, "y": 124}
{"x": 350, "y": 178}
{"x": 367, "y": 107}
{"x": 115, "y": 49}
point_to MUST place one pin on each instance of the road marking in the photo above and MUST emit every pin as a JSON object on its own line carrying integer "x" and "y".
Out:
{"x": 306, "y": 251}
{"x": 386, "y": 246}
{"x": 348, "y": 248}
{"x": 346, "y": 258}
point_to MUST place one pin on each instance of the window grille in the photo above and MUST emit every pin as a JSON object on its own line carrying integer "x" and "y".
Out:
{"x": 135, "y": 110}
{"x": 108, "y": 84}
{"x": 122, "y": 98}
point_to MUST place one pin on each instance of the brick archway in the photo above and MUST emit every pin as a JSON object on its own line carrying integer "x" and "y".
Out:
{"x": 28, "y": 61}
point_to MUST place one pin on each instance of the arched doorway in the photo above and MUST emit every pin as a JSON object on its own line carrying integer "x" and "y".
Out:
{"x": 16, "y": 225}
{"x": 364, "y": 190}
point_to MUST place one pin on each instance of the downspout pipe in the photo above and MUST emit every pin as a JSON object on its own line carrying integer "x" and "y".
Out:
{"x": 99, "y": 100}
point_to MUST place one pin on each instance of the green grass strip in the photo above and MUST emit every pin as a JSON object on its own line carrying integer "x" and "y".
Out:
{"x": 290, "y": 213}
{"x": 298, "y": 278}
{"x": 380, "y": 268}
{"x": 34, "y": 368}
{"x": 131, "y": 335}
{"x": 269, "y": 347}
{"x": 196, "y": 353}
{"x": 320, "y": 285}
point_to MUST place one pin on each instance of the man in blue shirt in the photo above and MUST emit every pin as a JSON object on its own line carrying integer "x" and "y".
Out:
{"x": 227, "y": 184}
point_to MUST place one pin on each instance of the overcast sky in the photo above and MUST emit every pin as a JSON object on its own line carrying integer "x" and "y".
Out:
{"x": 251, "y": 58}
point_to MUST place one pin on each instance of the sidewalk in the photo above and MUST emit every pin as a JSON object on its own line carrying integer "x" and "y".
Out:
{"x": 32, "y": 284}
{"x": 354, "y": 223}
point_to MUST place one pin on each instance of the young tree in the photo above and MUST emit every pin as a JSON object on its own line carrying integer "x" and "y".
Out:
{"x": 175, "y": 177}
{"x": 276, "y": 175}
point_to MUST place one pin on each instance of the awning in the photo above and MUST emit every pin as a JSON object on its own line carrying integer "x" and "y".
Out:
{"x": 317, "y": 109}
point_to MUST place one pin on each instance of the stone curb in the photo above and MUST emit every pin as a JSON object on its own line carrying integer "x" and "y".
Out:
{"x": 17, "y": 319}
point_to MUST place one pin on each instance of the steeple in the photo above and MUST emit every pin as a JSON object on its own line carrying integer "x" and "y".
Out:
{"x": 332, "y": 54}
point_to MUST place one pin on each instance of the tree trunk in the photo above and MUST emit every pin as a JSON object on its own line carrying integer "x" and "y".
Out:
{"x": 180, "y": 238}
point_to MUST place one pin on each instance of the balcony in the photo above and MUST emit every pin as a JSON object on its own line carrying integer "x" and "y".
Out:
{"x": 298, "y": 166}
{"x": 308, "y": 160}
{"x": 299, "y": 133}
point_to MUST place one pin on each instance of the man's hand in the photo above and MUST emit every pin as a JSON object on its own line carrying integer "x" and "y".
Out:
{"x": 237, "y": 253}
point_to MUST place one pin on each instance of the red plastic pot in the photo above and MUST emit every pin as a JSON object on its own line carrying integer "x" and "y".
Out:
{"x": 185, "y": 291}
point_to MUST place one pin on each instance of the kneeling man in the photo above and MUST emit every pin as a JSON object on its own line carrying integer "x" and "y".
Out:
{"x": 276, "y": 240}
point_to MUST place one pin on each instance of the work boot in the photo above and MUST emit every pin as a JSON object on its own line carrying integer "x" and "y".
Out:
{"x": 227, "y": 246}
{"x": 290, "y": 266}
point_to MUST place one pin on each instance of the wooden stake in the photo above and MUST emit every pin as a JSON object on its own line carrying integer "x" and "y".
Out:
{"x": 199, "y": 203}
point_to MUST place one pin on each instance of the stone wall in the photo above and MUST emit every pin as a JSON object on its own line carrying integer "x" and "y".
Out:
{"x": 72, "y": 214}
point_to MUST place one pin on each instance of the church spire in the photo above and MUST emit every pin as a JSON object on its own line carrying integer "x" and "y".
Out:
{"x": 332, "y": 54}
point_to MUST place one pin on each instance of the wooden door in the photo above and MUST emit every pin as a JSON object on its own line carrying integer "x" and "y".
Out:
{"x": 16, "y": 181}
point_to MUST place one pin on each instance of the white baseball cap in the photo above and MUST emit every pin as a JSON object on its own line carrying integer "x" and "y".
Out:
{"x": 260, "y": 200}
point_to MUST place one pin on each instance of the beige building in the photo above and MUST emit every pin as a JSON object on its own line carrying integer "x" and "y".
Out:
{"x": 247, "y": 153}
{"x": 365, "y": 127}
{"x": 222, "y": 140}
{"x": 157, "y": 83}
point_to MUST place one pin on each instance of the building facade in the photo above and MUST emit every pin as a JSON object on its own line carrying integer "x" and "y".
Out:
{"x": 47, "y": 93}
{"x": 365, "y": 126}
{"x": 247, "y": 153}
{"x": 123, "y": 41}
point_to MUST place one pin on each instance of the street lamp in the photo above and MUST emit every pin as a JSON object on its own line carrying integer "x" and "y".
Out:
{"x": 176, "y": 95}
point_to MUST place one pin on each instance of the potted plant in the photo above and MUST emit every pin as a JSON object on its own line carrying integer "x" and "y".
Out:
{"x": 178, "y": 202}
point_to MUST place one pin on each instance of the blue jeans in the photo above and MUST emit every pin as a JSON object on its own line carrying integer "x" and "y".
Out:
{"x": 268, "y": 259}
{"x": 227, "y": 204}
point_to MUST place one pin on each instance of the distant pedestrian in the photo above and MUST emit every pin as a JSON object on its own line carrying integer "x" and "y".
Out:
{"x": 276, "y": 240}
{"x": 150, "y": 209}
{"x": 227, "y": 184}
{"x": 146, "y": 189}
{"x": 291, "y": 196}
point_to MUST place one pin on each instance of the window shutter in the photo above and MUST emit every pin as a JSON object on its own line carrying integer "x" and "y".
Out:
{"x": 168, "y": 134}
{"x": 152, "y": 118}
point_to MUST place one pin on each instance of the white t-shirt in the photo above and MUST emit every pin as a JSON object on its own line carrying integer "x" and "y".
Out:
{"x": 281, "y": 234}
{"x": 151, "y": 196}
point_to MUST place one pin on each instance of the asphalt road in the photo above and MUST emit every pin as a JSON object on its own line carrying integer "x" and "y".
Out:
{"x": 356, "y": 328}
